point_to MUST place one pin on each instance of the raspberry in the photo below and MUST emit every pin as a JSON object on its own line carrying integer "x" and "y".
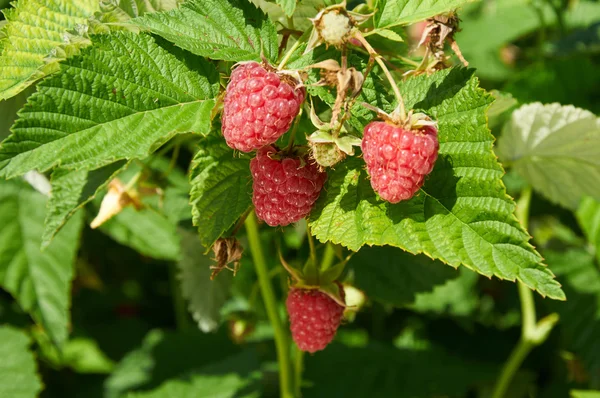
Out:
{"x": 397, "y": 159}
{"x": 314, "y": 318}
{"x": 326, "y": 154}
{"x": 259, "y": 107}
{"x": 334, "y": 27}
{"x": 284, "y": 191}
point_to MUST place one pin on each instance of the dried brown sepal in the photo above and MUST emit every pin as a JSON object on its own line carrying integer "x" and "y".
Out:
{"x": 227, "y": 251}
{"x": 116, "y": 199}
{"x": 439, "y": 30}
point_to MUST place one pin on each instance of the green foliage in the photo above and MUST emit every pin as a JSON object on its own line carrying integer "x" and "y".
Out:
{"x": 216, "y": 173}
{"x": 71, "y": 190}
{"x": 39, "y": 280}
{"x": 588, "y": 215}
{"x": 35, "y": 39}
{"x": 406, "y": 372}
{"x": 461, "y": 215}
{"x": 549, "y": 146}
{"x": 584, "y": 394}
{"x": 18, "y": 378}
{"x": 392, "y": 13}
{"x": 395, "y": 276}
{"x": 581, "y": 280}
{"x": 126, "y": 90}
{"x": 231, "y": 30}
{"x": 131, "y": 100}
{"x": 205, "y": 297}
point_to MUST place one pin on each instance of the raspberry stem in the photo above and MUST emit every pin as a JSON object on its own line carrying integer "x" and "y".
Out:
{"x": 533, "y": 332}
{"x": 288, "y": 54}
{"x": 373, "y": 53}
{"x": 281, "y": 337}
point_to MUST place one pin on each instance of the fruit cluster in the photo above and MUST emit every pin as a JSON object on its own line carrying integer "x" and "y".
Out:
{"x": 260, "y": 106}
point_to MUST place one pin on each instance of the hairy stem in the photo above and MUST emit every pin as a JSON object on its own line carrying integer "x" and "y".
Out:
{"x": 281, "y": 337}
{"x": 386, "y": 72}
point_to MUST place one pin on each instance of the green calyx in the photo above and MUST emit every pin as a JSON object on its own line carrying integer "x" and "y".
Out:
{"x": 312, "y": 277}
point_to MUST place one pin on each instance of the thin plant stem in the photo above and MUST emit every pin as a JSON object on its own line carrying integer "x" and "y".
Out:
{"x": 386, "y": 72}
{"x": 512, "y": 365}
{"x": 298, "y": 370}
{"x": 289, "y": 54}
{"x": 311, "y": 245}
{"x": 281, "y": 338}
{"x": 290, "y": 144}
{"x": 328, "y": 257}
{"x": 533, "y": 333}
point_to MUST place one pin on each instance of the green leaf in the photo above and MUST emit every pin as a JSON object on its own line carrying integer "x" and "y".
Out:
{"x": 31, "y": 40}
{"x": 585, "y": 394}
{"x": 580, "y": 314}
{"x": 205, "y": 297}
{"x": 230, "y": 30}
{"x": 216, "y": 173}
{"x": 39, "y": 280}
{"x": 288, "y": 6}
{"x": 231, "y": 377}
{"x": 549, "y": 145}
{"x": 392, "y": 372}
{"x": 457, "y": 296}
{"x": 145, "y": 231}
{"x": 405, "y": 12}
{"x": 165, "y": 355}
{"x": 588, "y": 216}
{"x": 501, "y": 109}
{"x": 120, "y": 99}
{"x": 394, "y": 276}
{"x": 461, "y": 215}
{"x": 18, "y": 377}
{"x": 71, "y": 190}
{"x": 388, "y": 34}
{"x": 304, "y": 10}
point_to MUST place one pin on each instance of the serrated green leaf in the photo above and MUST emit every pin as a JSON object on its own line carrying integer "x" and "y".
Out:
{"x": 580, "y": 314}
{"x": 394, "y": 276}
{"x": 461, "y": 215}
{"x": 216, "y": 173}
{"x": 30, "y": 40}
{"x": 205, "y": 296}
{"x": 549, "y": 145}
{"x": 503, "y": 105}
{"x": 120, "y": 99}
{"x": 18, "y": 376}
{"x": 230, "y": 30}
{"x": 71, "y": 190}
{"x": 39, "y": 280}
{"x": 588, "y": 216}
{"x": 405, "y": 12}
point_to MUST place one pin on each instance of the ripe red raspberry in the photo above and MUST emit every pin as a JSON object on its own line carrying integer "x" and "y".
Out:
{"x": 259, "y": 107}
{"x": 397, "y": 159}
{"x": 314, "y": 318}
{"x": 284, "y": 191}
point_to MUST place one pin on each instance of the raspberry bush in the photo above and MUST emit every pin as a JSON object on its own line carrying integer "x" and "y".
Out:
{"x": 299, "y": 198}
